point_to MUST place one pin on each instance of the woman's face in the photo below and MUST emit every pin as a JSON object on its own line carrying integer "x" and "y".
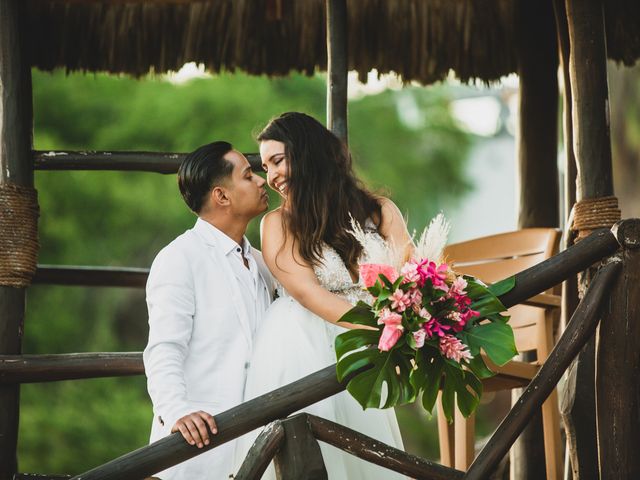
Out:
{"x": 276, "y": 164}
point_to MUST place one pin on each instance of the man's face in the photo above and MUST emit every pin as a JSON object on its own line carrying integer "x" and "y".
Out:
{"x": 245, "y": 189}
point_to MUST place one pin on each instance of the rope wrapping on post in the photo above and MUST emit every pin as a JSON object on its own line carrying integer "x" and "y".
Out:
{"x": 590, "y": 214}
{"x": 19, "y": 245}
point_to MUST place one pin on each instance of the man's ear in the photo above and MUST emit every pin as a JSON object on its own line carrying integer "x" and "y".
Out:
{"x": 219, "y": 196}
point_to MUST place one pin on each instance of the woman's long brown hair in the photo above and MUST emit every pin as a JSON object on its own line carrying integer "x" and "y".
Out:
{"x": 323, "y": 191}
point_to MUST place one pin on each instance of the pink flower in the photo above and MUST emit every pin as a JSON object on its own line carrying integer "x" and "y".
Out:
{"x": 400, "y": 300}
{"x": 467, "y": 315}
{"x": 389, "y": 318}
{"x": 458, "y": 286}
{"x": 410, "y": 272}
{"x": 369, "y": 273}
{"x": 424, "y": 313}
{"x": 390, "y": 336}
{"x": 415, "y": 296}
{"x": 454, "y": 349}
{"x": 419, "y": 336}
{"x": 436, "y": 273}
{"x": 434, "y": 327}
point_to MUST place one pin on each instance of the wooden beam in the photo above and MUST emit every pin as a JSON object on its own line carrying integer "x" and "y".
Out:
{"x": 232, "y": 423}
{"x": 16, "y": 369}
{"x": 371, "y": 450}
{"x": 337, "y": 68}
{"x": 16, "y": 118}
{"x": 91, "y": 276}
{"x": 537, "y": 152}
{"x": 618, "y": 365}
{"x": 262, "y": 452}
{"x": 158, "y": 162}
{"x": 580, "y": 329}
{"x": 300, "y": 455}
{"x": 537, "y": 147}
{"x": 37, "y": 476}
{"x": 315, "y": 387}
{"x": 592, "y": 149}
{"x": 551, "y": 272}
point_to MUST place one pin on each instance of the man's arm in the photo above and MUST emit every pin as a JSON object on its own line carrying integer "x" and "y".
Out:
{"x": 171, "y": 306}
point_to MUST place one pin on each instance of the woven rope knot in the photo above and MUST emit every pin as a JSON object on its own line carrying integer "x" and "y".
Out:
{"x": 18, "y": 235}
{"x": 593, "y": 213}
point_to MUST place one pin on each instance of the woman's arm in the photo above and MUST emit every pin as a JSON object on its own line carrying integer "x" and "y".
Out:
{"x": 296, "y": 275}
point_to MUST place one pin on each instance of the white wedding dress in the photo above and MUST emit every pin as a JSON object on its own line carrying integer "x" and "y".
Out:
{"x": 292, "y": 343}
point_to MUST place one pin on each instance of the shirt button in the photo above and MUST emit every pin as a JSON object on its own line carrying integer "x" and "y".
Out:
{"x": 246, "y": 365}
{"x": 238, "y": 249}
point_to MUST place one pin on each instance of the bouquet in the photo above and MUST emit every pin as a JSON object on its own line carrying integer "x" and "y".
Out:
{"x": 426, "y": 327}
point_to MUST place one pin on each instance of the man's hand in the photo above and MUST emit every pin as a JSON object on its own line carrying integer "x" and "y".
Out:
{"x": 193, "y": 428}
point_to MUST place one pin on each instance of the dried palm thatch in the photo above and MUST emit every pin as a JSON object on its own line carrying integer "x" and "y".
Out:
{"x": 422, "y": 40}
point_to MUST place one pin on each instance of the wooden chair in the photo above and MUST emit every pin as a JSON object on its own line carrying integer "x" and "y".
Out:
{"x": 491, "y": 259}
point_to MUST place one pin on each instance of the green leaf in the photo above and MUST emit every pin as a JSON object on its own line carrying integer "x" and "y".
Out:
{"x": 479, "y": 368}
{"x": 428, "y": 375}
{"x": 503, "y": 286}
{"x": 354, "y": 340}
{"x": 367, "y": 386}
{"x": 361, "y": 314}
{"x": 495, "y": 338}
{"x": 467, "y": 387}
{"x": 488, "y": 305}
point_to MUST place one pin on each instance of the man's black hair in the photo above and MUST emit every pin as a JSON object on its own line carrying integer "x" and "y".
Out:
{"x": 201, "y": 170}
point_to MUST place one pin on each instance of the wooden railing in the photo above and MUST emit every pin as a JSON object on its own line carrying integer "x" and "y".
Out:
{"x": 278, "y": 404}
{"x": 294, "y": 397}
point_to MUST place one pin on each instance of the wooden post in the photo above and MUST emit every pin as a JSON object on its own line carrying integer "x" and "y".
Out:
{"x": 262, "y": 452}
{"x": 537, "y": 151}
{"x": 15, "y": 169}
{"x": 570, "y": 285}
{"x": 581, "y": 327}
{"x": 592, "y": 148}
{"x": 300, "y": 456}
{"x": 618, "y": 365}
{"x": 337, "y": 68}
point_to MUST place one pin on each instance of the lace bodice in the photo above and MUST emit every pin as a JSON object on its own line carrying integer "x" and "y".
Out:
{"x": 333, "y": 274}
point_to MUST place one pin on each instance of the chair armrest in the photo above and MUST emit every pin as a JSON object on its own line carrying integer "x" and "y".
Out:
{"x": 544, "y": 300}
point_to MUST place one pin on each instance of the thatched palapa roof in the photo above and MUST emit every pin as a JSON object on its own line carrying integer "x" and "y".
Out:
{"x": 419, "y": 39}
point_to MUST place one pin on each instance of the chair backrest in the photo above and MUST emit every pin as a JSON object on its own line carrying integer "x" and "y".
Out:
{"x": 495, "y": 257}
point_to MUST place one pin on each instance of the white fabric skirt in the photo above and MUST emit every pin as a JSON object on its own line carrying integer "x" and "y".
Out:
{"x": 292, "y": 343}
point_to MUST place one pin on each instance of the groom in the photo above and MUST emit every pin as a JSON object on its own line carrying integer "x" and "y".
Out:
{"x": 206, "y": 293}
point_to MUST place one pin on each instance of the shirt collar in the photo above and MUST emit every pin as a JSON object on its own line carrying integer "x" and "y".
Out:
{"x": 226, "y": 243}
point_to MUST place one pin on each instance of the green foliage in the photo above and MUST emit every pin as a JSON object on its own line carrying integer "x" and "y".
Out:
{"x": 125, "y": 218}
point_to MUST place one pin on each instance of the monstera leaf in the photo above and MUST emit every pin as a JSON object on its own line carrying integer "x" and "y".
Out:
{"x": 386, "y": 369}
{"x": 495, "y": 338}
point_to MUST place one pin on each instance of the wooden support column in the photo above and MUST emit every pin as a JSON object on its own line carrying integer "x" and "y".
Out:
{"x": 570, "y": 285}
{"x": 537, "y": 152}
{"x": 337, "y": 68}
{"x": 300, "y": 456}
{"x": 592, "y": 148}
{"x": 618, "y": 365}
{"x": 15, "y": 169}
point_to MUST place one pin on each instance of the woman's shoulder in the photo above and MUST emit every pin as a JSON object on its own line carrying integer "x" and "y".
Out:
{"x": 271, "y": 223}
{"x": 272, "y": 218}
{"x": 389, "y": 211}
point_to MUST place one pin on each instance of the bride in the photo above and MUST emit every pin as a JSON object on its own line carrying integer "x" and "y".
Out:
{"x": 307, "y": 245}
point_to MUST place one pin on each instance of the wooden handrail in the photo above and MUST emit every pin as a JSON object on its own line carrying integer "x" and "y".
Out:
{"x": 232, "y": 423}
{"x": 158, "y": 162}
{"x": 68, "y": 366}
{"x": 374, "y": 451}
{"x": 250, "y": 415}
{"x": 579, "y": 330}
{"x": 91, "y": 276}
